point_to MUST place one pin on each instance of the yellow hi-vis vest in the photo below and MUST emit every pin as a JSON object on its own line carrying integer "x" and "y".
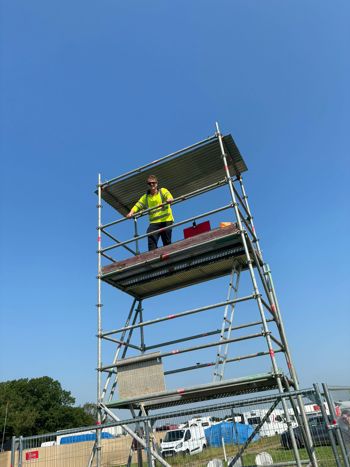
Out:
{"x": 147, "y": 201}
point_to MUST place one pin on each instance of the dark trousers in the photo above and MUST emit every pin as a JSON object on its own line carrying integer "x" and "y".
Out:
{"x": 154, "y": 237}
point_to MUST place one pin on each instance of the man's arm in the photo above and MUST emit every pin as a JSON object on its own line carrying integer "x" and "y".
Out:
{"x": 140, "y": 205}
{"x": 131, "y": 213}
{"x": 168, "y": 196}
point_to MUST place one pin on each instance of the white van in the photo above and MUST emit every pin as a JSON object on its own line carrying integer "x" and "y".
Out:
{"x": 206, "y": 422}
{"x": 275, "y": 424}
{"x": 186, "y": 440}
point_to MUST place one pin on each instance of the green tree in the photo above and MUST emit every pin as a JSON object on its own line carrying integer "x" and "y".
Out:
{"x": 39, "y": 405}
{"x": 91, "y": 409}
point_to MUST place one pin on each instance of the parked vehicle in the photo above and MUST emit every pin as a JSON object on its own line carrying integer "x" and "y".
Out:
{"x": 187, "y": 440}
{"x": 82, "y": 436}
{"x": 206, "y": 422}
{"x": 275, "y": 424}
{"x": 167, "y": 427}
{"x": 318, "y": 430}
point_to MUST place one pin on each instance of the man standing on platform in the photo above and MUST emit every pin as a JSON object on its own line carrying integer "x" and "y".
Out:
{"x": 158, "y": 218}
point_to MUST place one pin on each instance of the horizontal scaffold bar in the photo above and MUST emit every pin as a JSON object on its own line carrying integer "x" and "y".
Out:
{"x": 204, "y": 334}
{"x": 177, "y": 224}
{"x": 228, "y": 360}
{"x": 179, "y": 315}
{"x": 177, "y": 200}
{"x": 186, "y": 350}
{"x": 122, "y": 343}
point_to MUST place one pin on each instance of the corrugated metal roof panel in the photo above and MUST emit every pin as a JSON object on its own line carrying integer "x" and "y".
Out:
{"x": 186, "y": 172}
{"x": 182, "y": 279}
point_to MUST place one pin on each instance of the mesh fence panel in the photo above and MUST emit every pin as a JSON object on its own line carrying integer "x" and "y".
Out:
{"x": 248, "y": 432}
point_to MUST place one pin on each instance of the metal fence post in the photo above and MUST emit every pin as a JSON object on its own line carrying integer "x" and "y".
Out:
{"x": 150, "y": 462}
{"x": 20, "y": 453}
{"x": 336, "y": 427}
{"x": 330, "y": 431}
{"x": 13, "y": 450}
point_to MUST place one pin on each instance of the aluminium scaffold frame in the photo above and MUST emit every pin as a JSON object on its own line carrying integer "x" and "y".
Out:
{"x": 242, "y": 254}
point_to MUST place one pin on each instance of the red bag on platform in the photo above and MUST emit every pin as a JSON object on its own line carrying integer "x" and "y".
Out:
{"x": 197, "y": 229}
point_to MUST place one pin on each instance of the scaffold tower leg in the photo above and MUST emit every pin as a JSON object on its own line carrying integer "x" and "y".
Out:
{"x": 266, "y": 279}
{"x": 258, "y": 299}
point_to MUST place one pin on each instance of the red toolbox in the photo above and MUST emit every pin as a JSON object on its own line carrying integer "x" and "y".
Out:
{"x": 197, "y": 229}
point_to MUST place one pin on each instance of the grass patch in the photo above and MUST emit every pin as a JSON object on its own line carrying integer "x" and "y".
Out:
{"x": 271, "y": 445}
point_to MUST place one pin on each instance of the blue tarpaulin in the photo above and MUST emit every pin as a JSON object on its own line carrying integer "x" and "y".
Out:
{"x": 84, "y": 437}
{"x": 233, "y": 433}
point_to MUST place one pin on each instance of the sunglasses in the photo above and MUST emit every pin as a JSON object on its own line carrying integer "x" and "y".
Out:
{"x": 152, "y": 183}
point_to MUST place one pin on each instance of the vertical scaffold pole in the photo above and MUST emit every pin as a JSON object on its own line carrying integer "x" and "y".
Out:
{"x": 272, "y": 295}
{"x": 99, "y": 322}
{"x": 251, "y": 219}
{"x": 136, "y": 235}
{"x": 142, "y": 332}
{"x": 258, "y": 297}
{"x": 266, "y": 278}
{"x": 289, "y": 360}
{"x": 249, "y": 260}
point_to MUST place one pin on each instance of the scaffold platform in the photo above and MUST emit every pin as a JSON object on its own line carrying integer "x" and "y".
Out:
{"x": 197, "y": 259}
{"x": 203, "y": 392}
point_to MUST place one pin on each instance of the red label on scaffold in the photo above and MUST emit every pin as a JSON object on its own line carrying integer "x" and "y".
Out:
{"x": 32, "y": 455}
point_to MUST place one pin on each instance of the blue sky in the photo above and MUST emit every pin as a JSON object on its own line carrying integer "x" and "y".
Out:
{"x": 107, "y": 86}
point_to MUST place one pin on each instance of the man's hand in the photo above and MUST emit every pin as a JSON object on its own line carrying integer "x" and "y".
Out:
{"x": 130, "y": 214}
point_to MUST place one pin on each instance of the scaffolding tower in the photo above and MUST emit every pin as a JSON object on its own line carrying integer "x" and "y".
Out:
{"x": 135, "y": 377}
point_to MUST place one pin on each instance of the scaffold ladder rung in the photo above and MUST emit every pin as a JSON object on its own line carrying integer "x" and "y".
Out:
{"x": 221, "y": 355}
